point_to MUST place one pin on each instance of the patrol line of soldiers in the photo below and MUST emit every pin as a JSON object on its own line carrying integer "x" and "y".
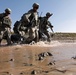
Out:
{"x": 28, "y": 20}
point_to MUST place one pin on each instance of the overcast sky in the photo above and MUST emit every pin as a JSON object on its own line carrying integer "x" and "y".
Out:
{"x": 64, "y": 12}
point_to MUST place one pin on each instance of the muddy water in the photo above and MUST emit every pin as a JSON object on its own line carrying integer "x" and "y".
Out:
{"x": 25, "y": 59}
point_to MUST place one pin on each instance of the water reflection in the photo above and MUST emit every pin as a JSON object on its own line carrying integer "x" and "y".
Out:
{"x": 25, "y": 59}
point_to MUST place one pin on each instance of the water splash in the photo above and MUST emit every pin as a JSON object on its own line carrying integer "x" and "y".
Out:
{"x": 45, "y": 43}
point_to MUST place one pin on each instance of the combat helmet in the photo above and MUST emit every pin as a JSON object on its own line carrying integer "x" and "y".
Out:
{"x": 8, "y": 10}
{"x": 49, "y": 14}
{"x": 35, "y": 5}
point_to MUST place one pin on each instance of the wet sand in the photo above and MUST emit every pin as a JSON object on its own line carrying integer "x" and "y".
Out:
{"x": 53, "y": 59}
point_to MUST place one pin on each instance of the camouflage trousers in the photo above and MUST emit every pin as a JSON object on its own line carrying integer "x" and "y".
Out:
{"x": 47, "y": 34}
{"x": 5, "y": 34}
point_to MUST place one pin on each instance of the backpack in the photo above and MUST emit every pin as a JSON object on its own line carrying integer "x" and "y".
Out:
{"x": 16, "y": 26}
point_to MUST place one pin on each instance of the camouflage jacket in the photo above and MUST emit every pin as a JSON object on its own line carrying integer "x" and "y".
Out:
{"x": 30, "y": 17}
{"x": 5, "y": 20}
{"x": 44, "y": 24}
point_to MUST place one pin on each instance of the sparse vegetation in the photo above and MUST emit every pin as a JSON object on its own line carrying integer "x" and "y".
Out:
{"x": 64, "y": 36}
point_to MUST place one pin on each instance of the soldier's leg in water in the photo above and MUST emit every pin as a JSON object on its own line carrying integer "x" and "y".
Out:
{"x": 48, "y": 36}
{"x": 8, "y": 35}
{"x": 31, "y": 33}
{"x": 31, "y": 37}
{"x": 9, "y": 39}
{"x": 1, "y": 36}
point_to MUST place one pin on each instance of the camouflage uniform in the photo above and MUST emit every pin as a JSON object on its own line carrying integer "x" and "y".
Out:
{"x": 5, "y": 26}
{"x": 44, "y": 24}
{"x": 29, "y": 20}
{"x": 16, "y": 27}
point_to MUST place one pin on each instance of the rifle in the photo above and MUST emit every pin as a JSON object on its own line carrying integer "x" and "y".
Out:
{"x": 51, "y": 26}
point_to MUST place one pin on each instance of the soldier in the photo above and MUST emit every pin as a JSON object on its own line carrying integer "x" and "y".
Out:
{"x": 5, "y": 26}
{"x": 30, "y": 15}
{"x": 44, "y": 24}
{"x": 29, "y": 20}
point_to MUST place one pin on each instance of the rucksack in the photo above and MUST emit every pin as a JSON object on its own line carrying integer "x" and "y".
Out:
{"x": 16, "y": 26}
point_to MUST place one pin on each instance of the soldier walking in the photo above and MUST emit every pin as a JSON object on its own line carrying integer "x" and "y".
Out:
{"x": 44, "y": 24}
{"x": 28, "y": 21}
{"x": 5, "y": 26}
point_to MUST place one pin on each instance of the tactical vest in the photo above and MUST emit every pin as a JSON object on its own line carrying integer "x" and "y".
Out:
{"x": 7, "y": 21}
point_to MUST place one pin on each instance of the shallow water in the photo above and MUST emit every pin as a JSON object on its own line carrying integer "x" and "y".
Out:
{"x": 23, "y": 59}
